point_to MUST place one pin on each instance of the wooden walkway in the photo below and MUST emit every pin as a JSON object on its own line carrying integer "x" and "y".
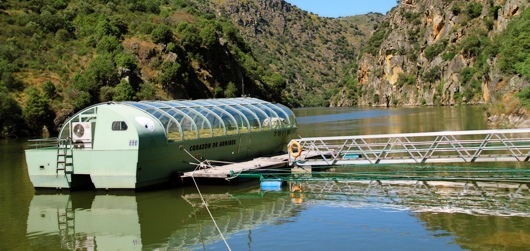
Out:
{"x": 234, "y": 169}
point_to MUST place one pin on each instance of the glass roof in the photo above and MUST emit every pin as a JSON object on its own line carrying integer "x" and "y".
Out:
{"x": 194, "y": 119}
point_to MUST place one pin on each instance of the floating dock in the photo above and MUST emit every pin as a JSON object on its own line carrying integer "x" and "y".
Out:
{"x": 509, "y": 145}
{"x": 234, "y": 169}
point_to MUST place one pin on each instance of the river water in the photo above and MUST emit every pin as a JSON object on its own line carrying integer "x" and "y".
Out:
{"x": 351, "y": 215}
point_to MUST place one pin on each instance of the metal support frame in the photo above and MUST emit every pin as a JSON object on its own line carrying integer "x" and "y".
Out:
{"x": 431, "y": 147}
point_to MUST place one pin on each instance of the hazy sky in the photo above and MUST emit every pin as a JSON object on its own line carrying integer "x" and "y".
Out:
{"x": 337, "y": 8}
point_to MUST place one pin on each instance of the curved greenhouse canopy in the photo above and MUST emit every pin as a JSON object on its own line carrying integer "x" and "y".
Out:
{"x": 204, "y": 118}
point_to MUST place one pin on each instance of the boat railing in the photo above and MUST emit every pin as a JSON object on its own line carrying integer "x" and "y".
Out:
{"x": 45, "y": 143}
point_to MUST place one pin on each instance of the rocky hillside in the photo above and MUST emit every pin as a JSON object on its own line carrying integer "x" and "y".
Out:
{"x": 57, "y": 58}
{"x": 310, "y": 52}
{"x": 443, "y": 52}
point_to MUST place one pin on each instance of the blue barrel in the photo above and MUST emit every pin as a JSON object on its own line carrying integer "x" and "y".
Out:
{"x": 271, "y": 184}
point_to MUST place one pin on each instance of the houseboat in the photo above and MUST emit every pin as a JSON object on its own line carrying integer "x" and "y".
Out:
{"x": 133, "y": 145}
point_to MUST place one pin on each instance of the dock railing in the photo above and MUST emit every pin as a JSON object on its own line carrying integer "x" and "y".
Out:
{"x": 430, "y": 147}
{"x": 43, "y": 143}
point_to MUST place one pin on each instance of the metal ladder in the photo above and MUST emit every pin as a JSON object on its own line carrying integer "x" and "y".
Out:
{"x": 66, "y": 224}
{"x": 65, "y": 156}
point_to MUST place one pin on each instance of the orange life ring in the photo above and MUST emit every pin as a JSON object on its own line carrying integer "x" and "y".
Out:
{"x": 296, "y": 194}
{"x": 298, "y": 149}
{"x": 296, "y": 189}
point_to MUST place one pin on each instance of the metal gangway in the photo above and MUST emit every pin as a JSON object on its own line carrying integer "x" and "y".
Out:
{"x": 403, "y": 148}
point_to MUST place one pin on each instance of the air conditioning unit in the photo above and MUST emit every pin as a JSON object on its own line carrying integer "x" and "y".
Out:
{"x": 82, "y": 134}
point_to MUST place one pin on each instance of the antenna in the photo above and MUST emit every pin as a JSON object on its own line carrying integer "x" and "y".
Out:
{"x": 243, "y": 87}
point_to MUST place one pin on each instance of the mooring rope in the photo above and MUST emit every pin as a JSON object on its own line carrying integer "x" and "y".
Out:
{"x": 200, "y": 165}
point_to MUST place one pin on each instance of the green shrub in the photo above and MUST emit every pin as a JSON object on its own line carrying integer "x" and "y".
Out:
{"x": 410, "y": 16}
{"x": 474, "y": 10}
{"x": 467, "y": 74}
{"x": 106, "y": 93}
{"x": 471, "y": 46}
{"x": 448, "y": 55}
{"x": 515, "y": 46}
{"x": 126, "y": 60}
{"x": 524, "y": 96}
{"x": 374, "y": 43}
{"x": 208, "y": 36}
{"x": 456, "y": 9}
{"x": 406, "y": 79}
{"x": 432, "y": 75}
{"x": 434, "y": 50}
{"x": 124, "y": 92}
{"x": 162, "y": 34}
{"x": 108, "y": 44}
{"x": 231, "y": 90}
{"x": 49, "y": 90}
{"x": 494, "y": 11}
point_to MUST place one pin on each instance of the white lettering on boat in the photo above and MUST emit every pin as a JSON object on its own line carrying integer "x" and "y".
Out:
{"x": 213, "y": 145}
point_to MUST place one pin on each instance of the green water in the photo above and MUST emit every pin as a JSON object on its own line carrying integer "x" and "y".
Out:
{"x": 325, "y": 215}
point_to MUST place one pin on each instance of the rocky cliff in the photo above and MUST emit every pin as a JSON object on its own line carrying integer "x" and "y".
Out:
{"x": 437, "y": 52}
{"x": 309, "y": 51}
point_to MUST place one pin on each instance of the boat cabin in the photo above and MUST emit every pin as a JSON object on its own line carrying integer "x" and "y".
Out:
{"x": 137, "y": 144}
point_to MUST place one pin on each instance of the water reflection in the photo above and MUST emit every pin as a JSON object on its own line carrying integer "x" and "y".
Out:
{"x": 174, "y": 219}
{"x": 481, "y": 233}
{"x": 177, "y": 219}
{"x": 357, "y": 121}
{"x": 467, "y": 197}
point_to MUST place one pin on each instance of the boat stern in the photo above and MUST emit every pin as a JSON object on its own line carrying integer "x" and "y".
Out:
{"x": 42, "y": 169}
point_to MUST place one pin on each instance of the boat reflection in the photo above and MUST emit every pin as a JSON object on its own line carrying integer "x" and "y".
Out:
{"x": 173, "y": 219}
{"x": 177, "y": 220}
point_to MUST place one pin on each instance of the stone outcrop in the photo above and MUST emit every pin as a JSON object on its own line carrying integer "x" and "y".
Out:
{"x": 432, "y": 43}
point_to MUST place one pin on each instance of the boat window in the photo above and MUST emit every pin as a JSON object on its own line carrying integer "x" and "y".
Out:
{"x": 202, "y": 124}
{"x": 253, "y": 120}
{"x": 292, "y": 118}
{"x": 216, "y": 122}
{"x": 174, "y": 132}
{"x": 284, "y": 117}
{"x": 260, "y": 114}
{"x": 119, "y": 126}
{"x": 228, "y": 118}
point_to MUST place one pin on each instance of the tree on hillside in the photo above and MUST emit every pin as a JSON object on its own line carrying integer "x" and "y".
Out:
{"x": 124, "y": 92}
{"x": 162, "y": 34}
{"x": 10, "y": 115}
{"x": 37, "y": 112}
{"x": 231, "y": 90}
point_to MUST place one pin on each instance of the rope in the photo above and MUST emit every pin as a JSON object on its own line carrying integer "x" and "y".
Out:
{"x": 201, "y": 165}
{"x": 210, "y": 213}
{"x": 234, "y": 175}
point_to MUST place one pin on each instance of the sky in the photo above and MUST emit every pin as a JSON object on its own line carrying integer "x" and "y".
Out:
{"x": 342, "y": 8}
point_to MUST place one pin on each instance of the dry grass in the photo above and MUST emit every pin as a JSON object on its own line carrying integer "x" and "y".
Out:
{"x": 509, "y": 105}
{"x": 37, "y": 78}
{"x": 501, "y": 84}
